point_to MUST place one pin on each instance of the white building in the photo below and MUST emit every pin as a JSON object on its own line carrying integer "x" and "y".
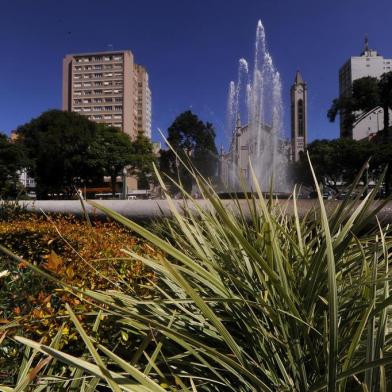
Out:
{"x": 369, "y": 63}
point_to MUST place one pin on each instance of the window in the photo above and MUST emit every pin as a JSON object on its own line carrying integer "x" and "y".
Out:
{"x": 77, "y": 93}
{"x": 301, "y": 123}
{"x": 97, "y": 67}
{"x": 77, "y": 77}
{"x": 118, "y": 107}
{"x": 107, "y": 117}
{"x": 97, "y": 75}
{"x": 77, "y": 109}
{"x": 77, "y": 84}
{"x": 108, "y": 99}
{"x": 117, "y": 58}
{"x": 98, "y": 91}
{"x": 87, "y": 84}
{"x": 107, "y": 58}
{"x": 97, "y": 83}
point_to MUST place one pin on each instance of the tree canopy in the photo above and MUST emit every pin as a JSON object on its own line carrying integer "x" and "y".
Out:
{"x": 66, "y": 151}
{"x": 367, "y": 94}
{"x": 340, "y": 160}
{"x": 56, "y": 144}
{"x": 194, "y": 142}
{"x": 142, "y": 161}
{"x": 110, "y": 151}
{"x": 12, "y": 161}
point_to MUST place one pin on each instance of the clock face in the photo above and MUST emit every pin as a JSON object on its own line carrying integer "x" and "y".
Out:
{"x": 300, "y": 90}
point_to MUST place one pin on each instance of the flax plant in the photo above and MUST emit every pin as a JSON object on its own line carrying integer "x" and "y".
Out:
{"x": 251, "y": 298}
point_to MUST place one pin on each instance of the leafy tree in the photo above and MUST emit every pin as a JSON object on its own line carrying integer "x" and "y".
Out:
{"x": 142, "y": 161}
{"x": 194, "y": 142}
{"x": 56, "y": 143}
{"x": 367, "y": 93}
{"x": 12, "y": 160}
{"x": 110, "y": 151}
{"x": 337, "y": 160}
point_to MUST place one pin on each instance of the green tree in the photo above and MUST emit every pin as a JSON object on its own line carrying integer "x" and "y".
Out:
{"x": 336, "y": 160}
{"x": 109, "y": 153}
{"x": 367, "y": 93}
{"x": 142, "y": 161}
{"x": 194, "y": 142}
{"x": 12, "y": 160}
{"x": 56, "y": 144}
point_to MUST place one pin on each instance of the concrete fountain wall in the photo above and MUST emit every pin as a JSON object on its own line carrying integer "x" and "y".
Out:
{"x": 147, "y": 210}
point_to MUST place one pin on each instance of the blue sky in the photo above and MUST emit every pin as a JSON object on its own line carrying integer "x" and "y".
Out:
{"x": 190, "y": 48}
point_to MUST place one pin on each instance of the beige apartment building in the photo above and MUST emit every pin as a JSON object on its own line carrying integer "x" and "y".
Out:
{"x": 109, "y": 88}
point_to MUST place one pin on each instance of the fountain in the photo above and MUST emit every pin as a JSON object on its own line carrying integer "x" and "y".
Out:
{"x": 256, "y": 99}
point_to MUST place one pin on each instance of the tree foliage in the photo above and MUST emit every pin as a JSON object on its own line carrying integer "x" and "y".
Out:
{"x": 56, "y": 144}
{"x": 12, "y": 160}
{"x": 367, "y": 94}
{"x": 340, "y": 159}
{"x": 109, "y": 153}
{"x": 66, "y": 151}
{"x": 142, "y": 161}
{"x": 194, "y": 142}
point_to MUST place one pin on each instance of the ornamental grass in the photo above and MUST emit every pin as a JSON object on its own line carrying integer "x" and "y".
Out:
{"x": 246, "y": 299}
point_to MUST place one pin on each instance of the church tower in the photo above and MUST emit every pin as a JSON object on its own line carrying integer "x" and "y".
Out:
{"x": 299, "y": 120}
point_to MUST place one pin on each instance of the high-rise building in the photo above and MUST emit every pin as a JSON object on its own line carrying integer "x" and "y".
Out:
{"x": 369, "y": 63}
{"x": 109, "y": 88}
{"x": 299, "y": 120}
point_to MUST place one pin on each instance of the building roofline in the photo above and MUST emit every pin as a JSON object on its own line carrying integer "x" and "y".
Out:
{"x": 98, "y": 52}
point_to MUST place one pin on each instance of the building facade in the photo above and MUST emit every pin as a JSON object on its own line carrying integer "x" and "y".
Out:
{"x": 299, "y": 118}
{"x": 369, "y": 63}
{"x": 109, "y": 88}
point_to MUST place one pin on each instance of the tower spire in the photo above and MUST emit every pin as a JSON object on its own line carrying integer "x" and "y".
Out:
{"x": 298, "y": 78}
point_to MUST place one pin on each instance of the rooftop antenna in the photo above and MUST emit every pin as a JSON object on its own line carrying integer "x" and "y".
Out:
{"x": 366, "y": 43}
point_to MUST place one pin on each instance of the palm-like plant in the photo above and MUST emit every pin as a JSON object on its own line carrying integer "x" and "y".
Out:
{"x": 252, "y": 298}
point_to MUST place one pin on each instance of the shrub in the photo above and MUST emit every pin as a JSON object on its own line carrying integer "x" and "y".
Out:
{"x": 81, "y": 256}
{"x": 251, "y": 298}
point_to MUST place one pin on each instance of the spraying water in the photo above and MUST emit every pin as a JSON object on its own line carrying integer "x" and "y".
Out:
{"x": 256, "y": 100}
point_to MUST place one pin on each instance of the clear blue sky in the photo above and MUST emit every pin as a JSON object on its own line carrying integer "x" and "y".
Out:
{"x": 189, "y": 47}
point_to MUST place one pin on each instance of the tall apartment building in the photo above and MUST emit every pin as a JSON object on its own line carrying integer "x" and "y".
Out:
{"x": 369, "y": 63}
{"x": 109, "y": 88}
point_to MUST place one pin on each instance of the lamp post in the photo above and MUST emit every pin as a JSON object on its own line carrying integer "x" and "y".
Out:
{"x": 367, "y": 178}
{"x": 124, "y": 184}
